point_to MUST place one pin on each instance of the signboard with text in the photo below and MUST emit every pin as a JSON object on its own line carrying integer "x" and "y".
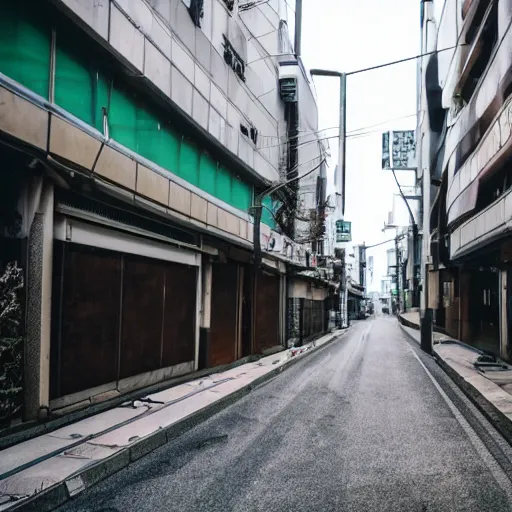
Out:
{"x": 399, "y": 150}
{"x": 343, "y": 231}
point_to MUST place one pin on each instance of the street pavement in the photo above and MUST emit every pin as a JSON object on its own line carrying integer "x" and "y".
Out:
{"x": 367, "y": 423}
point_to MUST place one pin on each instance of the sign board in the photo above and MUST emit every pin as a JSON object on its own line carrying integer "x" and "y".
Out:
{"x": 399, "y": 150}
{"x": 343, "y": 231}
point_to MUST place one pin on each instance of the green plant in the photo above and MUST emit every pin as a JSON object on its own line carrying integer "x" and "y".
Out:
{"x": 11, "y": 342}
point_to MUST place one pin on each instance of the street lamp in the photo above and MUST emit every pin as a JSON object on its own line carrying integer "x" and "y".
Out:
{"x": 340, "y": 177}
{"x": 342, "y": 139}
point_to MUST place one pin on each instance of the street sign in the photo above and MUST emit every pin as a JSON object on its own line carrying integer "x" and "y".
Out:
{"x": 343, "y": 231}
{"x": 399, "y": 150}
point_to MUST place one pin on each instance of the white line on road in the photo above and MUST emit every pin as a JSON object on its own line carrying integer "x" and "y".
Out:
{"x": 499, "y": 475}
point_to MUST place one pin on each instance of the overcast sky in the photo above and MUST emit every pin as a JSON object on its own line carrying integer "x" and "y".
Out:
{"x": 347, "y": 35}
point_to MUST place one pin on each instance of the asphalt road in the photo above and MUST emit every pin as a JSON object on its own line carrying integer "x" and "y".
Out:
{"x": 366, "y": 424}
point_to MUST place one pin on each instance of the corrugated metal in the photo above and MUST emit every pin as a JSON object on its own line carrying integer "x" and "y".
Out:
{"x": 118, "y": 315}
{"x": 224, "y": 319}
{"x": 85, "y": 349}
{"x": 179, "y": 314}
{"x": 142, "y": 315}
{"x": 267, "y": 313}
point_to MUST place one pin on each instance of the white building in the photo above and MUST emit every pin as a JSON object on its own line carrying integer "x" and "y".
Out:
{"x": 464, "y": 129}
{"x": 134, "y": 136}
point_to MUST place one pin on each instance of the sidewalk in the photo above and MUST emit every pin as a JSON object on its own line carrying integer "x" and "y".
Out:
{"x": 42, "y": 473}
{"x": 488, "y": 384}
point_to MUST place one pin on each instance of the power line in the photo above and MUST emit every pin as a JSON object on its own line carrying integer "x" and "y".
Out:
{"x": 351, "y": 133}
{"x": 385, "y": 242}
{"x": 392, "y": 63}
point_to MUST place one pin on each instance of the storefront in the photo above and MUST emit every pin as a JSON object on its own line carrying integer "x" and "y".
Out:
{"x": 267, "y": 312}
{"x": 124, "y": 310}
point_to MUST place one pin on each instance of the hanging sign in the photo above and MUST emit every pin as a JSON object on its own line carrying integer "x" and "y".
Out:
{"x": 399, "y": 150}
{"x": 343, "y": 231}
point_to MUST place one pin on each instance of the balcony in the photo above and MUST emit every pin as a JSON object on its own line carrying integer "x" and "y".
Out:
{"x": 485, "y": 227}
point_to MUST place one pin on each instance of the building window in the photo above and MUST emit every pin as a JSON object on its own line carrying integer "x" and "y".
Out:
{"x": 250, "y": 132}
{"x": 230, "y": 4}
{"x": 233, "y": 60}
{"x": 196, "y": 11}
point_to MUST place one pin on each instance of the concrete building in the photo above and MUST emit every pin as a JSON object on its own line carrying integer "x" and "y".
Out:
{"x": 464, "y": 132}
{"x": 134, "y": 136}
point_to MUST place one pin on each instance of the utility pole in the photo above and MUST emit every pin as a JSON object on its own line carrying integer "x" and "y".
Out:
{"x": 340, "y": 176}
{"x": 426, "y": 313}
{"x": 298, "y": 27}
{"x": 397, "y": 263}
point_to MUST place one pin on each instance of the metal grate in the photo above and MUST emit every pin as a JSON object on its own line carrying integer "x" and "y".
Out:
{"x": 126, "y": 215}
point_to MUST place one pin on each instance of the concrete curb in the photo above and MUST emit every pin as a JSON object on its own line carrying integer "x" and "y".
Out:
{"x": 487, "y": 408}
{"x": 500, "y": 421}
{"x": 60, "y": 493}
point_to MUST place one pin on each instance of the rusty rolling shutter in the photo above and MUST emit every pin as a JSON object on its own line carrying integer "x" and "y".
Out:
{"x": 179, "y": 314}
{"x": 142, "y": 312}
{"x": 267, "y": 313}
{"x": 85, "y": 344}
{"x": 224, "y": 330}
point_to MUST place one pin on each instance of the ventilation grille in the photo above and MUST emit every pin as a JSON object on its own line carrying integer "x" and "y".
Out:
{"x": 126, "y": 215}
{"x": 288, "y": 90}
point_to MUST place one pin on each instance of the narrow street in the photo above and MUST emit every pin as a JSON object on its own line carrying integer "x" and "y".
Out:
{"x": 366, "y": 424}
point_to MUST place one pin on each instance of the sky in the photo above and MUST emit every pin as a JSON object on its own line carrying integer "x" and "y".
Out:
{"x": 348, "y": 35}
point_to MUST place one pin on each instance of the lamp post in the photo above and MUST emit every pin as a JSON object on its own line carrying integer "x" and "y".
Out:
{"x": 340, "y": 175}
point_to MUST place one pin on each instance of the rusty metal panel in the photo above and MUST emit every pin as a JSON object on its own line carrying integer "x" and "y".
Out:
{"x": 223, "y": 333}
{"x": 247, "y": 310}
{"x": 179, "y": 314}
{"x": 142, "y": 315}
{"x": 267, "y": 313}
{"x": 87, "y": 344}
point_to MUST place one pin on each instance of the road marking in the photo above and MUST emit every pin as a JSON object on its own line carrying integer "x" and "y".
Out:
{"x": 497, "y": 472}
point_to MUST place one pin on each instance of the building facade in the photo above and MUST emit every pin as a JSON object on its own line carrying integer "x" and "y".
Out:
{"x": 134, "y": 137}
{"x": 464, "y": 128}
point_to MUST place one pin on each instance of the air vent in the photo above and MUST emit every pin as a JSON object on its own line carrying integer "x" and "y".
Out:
{"x": 288, "y": 90}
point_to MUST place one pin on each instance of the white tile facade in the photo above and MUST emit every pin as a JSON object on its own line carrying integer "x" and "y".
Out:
{"x": 150, "y": 34}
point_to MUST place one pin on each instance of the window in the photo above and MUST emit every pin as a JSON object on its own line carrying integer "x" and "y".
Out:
{"x": 250, "y": 132}
{"x": 230, "y": 4}
{"x": 196, "y": 11}
{"x": 232, "y": 59}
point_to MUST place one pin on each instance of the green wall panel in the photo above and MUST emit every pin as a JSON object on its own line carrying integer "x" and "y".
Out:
{"x": 123, "y": 119}
{"x": 25, "y": 46}
{"x": 266, "y": 216}
{"x": 241, "y": 194}
{"x": 148, "y": 135}
{"x": 80, "y": 87}
{"x": 223, "y": 188}
{"x": 207, "y": 174}
{"x": 170, "y": 150}
{"x": 189, "y": 162}
{"x": 84, "y": 90}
